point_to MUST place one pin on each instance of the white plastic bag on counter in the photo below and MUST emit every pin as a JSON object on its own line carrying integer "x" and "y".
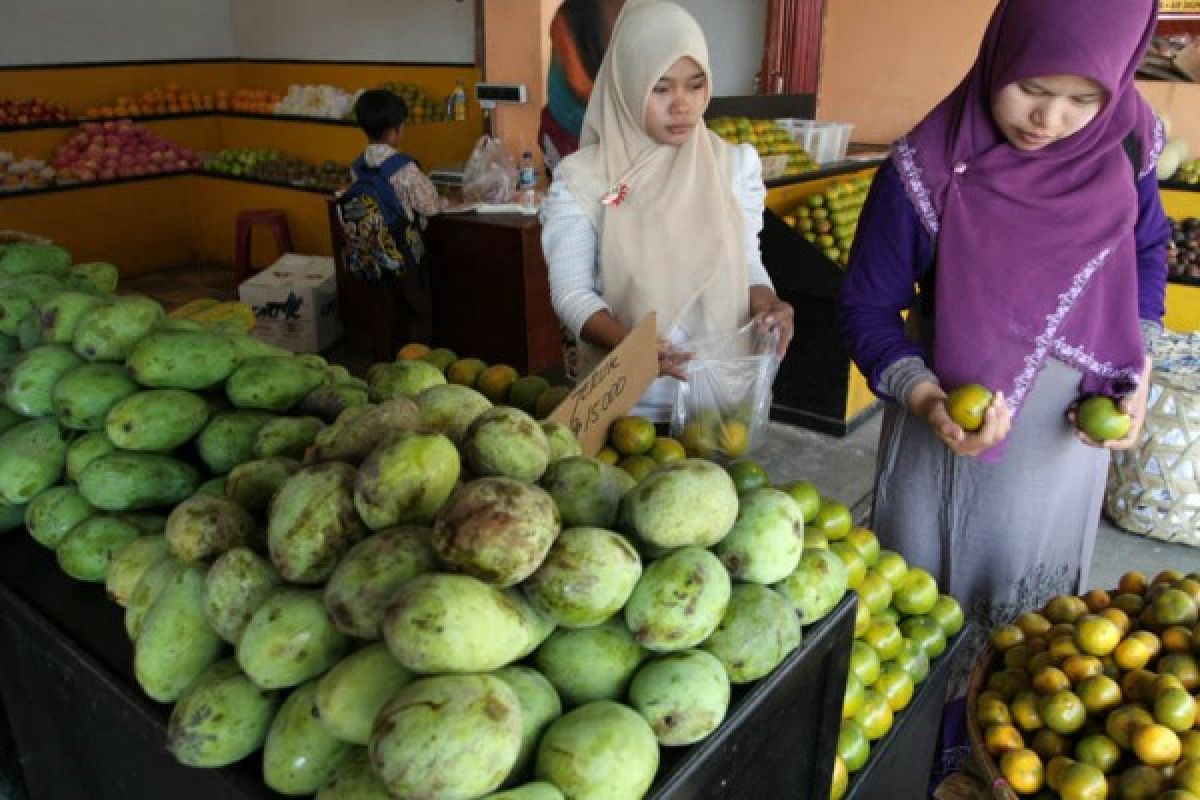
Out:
{"x": 722, "y": 409}
{"x": 490, "y": 175}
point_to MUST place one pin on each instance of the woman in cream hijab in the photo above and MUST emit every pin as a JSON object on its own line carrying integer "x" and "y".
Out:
{"x": 655, "y": 212}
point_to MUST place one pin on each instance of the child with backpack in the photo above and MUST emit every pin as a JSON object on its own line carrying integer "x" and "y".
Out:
{"x": 382, "y": 216}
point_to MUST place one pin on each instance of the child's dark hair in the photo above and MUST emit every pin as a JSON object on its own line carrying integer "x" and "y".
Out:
{"x": 378, "y": 111}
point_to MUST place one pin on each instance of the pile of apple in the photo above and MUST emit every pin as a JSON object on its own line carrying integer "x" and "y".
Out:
{"x": 32, "y": 111}
{"x": 1183, "y": 257}
{"x": 104, "y": 151}
{"x": 829, "y": 218}
{"x": 277, "y": 167}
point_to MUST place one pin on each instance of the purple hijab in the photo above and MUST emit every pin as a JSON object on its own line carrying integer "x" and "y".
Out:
{"x": 1035, "y": 250}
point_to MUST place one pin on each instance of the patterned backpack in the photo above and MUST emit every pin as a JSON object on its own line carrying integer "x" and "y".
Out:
{"x": 381, "y": 240}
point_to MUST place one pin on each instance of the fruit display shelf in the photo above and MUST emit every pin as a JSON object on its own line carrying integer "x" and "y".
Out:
{"x": 73, "y": 122}
{"x": 86, "y": 730}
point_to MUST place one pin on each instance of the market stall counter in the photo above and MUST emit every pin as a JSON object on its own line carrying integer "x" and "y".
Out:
{"x": 84, "y": 728}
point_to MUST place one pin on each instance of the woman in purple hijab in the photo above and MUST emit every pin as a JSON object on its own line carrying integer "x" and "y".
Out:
{"x": 1025, "y": 208}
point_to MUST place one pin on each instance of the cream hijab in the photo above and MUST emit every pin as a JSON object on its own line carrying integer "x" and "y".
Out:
{"x": 673, "y": 244}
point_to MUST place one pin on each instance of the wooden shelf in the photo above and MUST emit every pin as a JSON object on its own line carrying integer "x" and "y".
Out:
{"x": 1179, "y": 186}
{"x": 349, "y": 123}
{"x": 827, "y": 171}
{"x": 70, "y": 187}
{"x": 263, "y": 182}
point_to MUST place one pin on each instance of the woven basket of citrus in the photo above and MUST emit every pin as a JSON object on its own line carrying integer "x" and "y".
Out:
{"x": 1092, "y": 697}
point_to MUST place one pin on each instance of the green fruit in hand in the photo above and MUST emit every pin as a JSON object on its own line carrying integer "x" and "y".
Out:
{"x": 967, "y": 405}
{"x": 1101, "y": 420}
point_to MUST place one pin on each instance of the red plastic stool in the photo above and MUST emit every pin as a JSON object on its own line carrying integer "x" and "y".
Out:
{"x": 275, "y": 220}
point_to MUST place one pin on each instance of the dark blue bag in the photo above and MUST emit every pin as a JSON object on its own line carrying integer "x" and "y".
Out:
{"x": 381, "y": 240}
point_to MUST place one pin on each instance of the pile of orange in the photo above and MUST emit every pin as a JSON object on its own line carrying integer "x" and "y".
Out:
{"x": 172, "y": 99}
{"x": 261, "y": 101}
{"x": 1093, "y": 697}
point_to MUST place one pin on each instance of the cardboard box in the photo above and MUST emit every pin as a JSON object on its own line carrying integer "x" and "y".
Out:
{"x": 295, "y": 303}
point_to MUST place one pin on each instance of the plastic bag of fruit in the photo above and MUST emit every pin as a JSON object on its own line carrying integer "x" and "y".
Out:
{"x": 721, "y": 409}
{"x": 490, "y": 175}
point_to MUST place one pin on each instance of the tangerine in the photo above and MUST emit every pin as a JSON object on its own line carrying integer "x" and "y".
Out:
{"x": 875, "y": 716}
{"x": 841, "y": 779}
{"x": 1176, "y": 709}
{"x": 1079, "y": 781}
{"x": 632, "y": 435}
{"x": 1076, "y": 668}
{"x": 833, "y": 519}
{"x": 1049, "y": 680}
{"x": 867, "y": 545}
{"x": 1023, "y": 770}
{"x": 1048, "y": 744}
{"x": 1121, "y": 723}
{"x": 1099, "y": 693}
{"x": 1139, "y": 782}
{"x": 1099, "y": 751}
{"x": 746, "y": 475}
{"x": 1156, "y": 745}
{"x": 853, "y": 696}
{"x": 990, "y": 709}
{"x": 896, "y": 686}
{"x": 1025, "y": 708}
{"x": 1032, "y": 623}
{"x": 1063, "y": 712}
{"x": 852, "y": 745}
{"x": 1096, "y": 635}
{"x": 1128, "y": 602}
{"x": 967, "y": 405}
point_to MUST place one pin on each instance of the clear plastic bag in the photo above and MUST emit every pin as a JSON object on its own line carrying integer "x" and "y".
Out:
{"x": 721, "y": 410}
{"x": 490, "y": 175}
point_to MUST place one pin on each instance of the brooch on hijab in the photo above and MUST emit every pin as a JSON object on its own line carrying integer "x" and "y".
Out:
{"x": 616, "y": 195}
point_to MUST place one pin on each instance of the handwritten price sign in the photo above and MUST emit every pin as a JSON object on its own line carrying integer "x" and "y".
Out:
{"x": 613, "y": 388}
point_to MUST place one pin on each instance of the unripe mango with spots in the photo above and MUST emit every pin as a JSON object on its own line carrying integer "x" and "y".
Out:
{"x": 52, "y": 514}
{"x": 176, "y": 643}
{"x": 252, "y": 484}
{"x": 29, "y": 389}
{"x": 85, "y": 450}
{"x": 540, "y": 705}
{"x": 354, "y": 779}
{"x": 286, "y": 437}
{"x": 816, "y": 585}
{"x": 589, "y": 664}
{"x": 237, "y": 583}
{"x": 679, "y": 600}
{"x": 289, "y": 639}
{"x": 359, "y": 429}
{"x": 87, "y": 550}
{"x": 59, "y": 316}
{"x": 205, "y": 526}
{"x": 83, "y": 397}
{"x": 272, "y": 383}
{"x": 506, "y": 442}
{"x": 228, "y": 439}
{"x": 538, "y": 790}
{"x": 182, "y": 359}
{"x": 222, "y": 718}
{"x": 684, "y": 503}
{"x": 587, "y": 492}
{"x": 767, "y": 538}
{"x": 32, "y": 455}
{"x": 350, "y": 696}
{"x": 602, "y": 749}
{"x": 109, "y": 332}
{"x": 130, "y": 563}
{"x": 758, "y": 631}
{"x": 123, "y": 481}
{"x": 331, "y": 399}
{"x": 406, "y": 479}
{"x": 586, "y": 577}
{"x": 450, "y": 409}
{"x": 313, "y": 522}
{"x": 368, "y": 576}
{"x": 402, "y": 379}
{"x": 684, "y": 695}
{"x": 299, "y": 754}
{"x": 447, "y": 736}
{"x": 149, "y": 586}
{"x": 156, "y": 421}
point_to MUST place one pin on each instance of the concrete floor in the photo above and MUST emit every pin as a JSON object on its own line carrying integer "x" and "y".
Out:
{"x": 843, "y": 468}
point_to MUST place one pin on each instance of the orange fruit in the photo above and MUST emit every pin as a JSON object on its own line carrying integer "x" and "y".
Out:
{"x": 1039, "y": 661}
{"x": 896, "y": 686}
{"x": 1139, "y": 783}
{"x": 875, "y": 716}
{"x": 494, "y": 382}
{"x": 892, "y": 566}
{"x": 631, "y": 435}
{"x": 733, "y": 438}
{"x": 1128, "y": 602}
{"x": 1023, "y": 770}
{"x": 1156, "y": 745}
{"x": 990, "y": 709}
{"x": 638, "y": 467}
{"x": 856, "y": 568}
{"x": 1049, "y": 680}
{"x": 1079, "y": 781}
{"x": 1117, "y": 617}
{"x": 1134, "y": 652}
{"x": 1054, "y": 768}
{"x": 1174, "y": 607}
{"x": 1099, "y": 693}
{"x": 1005, "y": 636}
{"x": 884, "y": 635}
{"x": 1139, "y": 685}
{"x": 1063, "y": 712}
{"x": 608, "y": 456}
{"x": 925, "y": 633}
{"x": 1048, "y": 744}
{"x": 465, "y": 371}
{"x": 949, "y": 615}
{"x": 867, "y": 545}
{"x": 1096, "y": 635}
{"x": 1176, "y": 709}
{"x": 1032, "y": 623}
{"x": 862, "y": 619}
{"x": 747, "y": 475}
{"x": 1168, "y": 576}
{"x": 864, "y": 662}
{"x": 412, "y": 351}
{"x": 1076, "y": 668}
{"x": 1097, "y": 600}
{"x": 841, "y": 779}
{"x": 852, "y": 745}
{"x": 1176, "y": 639}
{"x": 698, "y": 440}
{"x": 1002, "y": 739}
{"x": 1191, "y": 586}
{"x": 1064, "y": 608}
{"x": 1018, "y": 656}
{"x": 833, "y": 519}
{"x": 1025, "y": 709}
{"x": 1182, "y": 666}
{"x": 1187, "y": 775}
{"x": 917, "y": 593}
{"x": 806, "y": 496}
{"x": 666, "y": 450}
{"x": 967, "y": 405}
{"x": 853, "y": 696}
{"x": 1190, "y": 741}
{"x": 1099, "y": 751}
{"x": 914, "y": 661}
{"x": 875, "y": 591}
{"x": 442, "y": 358}
{"x": 1099, "y": 417}
{"x": 1121, "y": 722}
{"x": 1007, "y": 682}
{"x": 1062, "y": 646}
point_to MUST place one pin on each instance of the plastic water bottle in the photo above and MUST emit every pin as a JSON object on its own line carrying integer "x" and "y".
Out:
{"x": 527, "y": 174}
{"x": 459, "y": 101}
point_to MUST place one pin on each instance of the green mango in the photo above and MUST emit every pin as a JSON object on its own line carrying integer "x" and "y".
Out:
{"x": 506, "y": 442}
{"x": 586, "y": 577}
{"x": 455, "y": 623}
{"x": 679, "y": 600}
{"x": 228, "y": 439}
{"x": 313, "y": 522}
{"x": 146, "y": 592}
{"x": 757, "y": 632}
{"x": 402, "y": 379}
{"x": 274, "y": 383}
{"x": 359, "y": 429}
{"x": 149, "y": 523}
{"x": 176, "y": 643}
{"x": 288, "y": 437}
{"x": 450, "y": 409}
{"x": 213, "y": 487}
{"x": 51, "y": 515}
{"x": 689, "y": 502}
{"x": 350, "y": 695}
{"x": 30, "y": 387}
{"x": 32, "y": 456}
{"x": 121, "y": 481}
{"x": 182, "y": 360}
{"x": 29, "y": 335}
{"x": 300, "y": 755}
{"x": 538, "y": 790}
{"x": 330, "y": 399}
{"x": 602, "y": 749}
{"x": 109, "y": 332}
{"x": 176, "y": 324}
{"x": 28, "y": 258}
{"x": 19, "y": 296}
{"x": 94, "y": 276}
{"x": 252, "y": 484}
{"x": 589, "y": 664}
{"x": 11, "y": 517}
{"x": 156, "y": 420}
{"x": 247, "y": 347}
{"x": 130, "y": 563}
{"x": 58, "y": 317}
{"x": 85, "y": 450}
{"x": 88, "y": 548}
{"x": 407, "y": 478}
{"x": 354, "y": 779}
{"x": 205, "y": 526}
{"x": 369, "y": 574}
{"x": 83, "y": 397}
{"x": 767, "y": 538}
{"x": 447, "y": 736}
{"x": 289, "y": 639}
{"x": 684, "y": 696}
{"x": 540, "y": 706}
{"x": 816, "y": 586}
{"x": 8, "y": 344}
{"x": 222, "y": 718}
{"x": 237, "y": 584}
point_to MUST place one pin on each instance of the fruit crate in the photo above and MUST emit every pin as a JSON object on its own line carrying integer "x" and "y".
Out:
{"x": 900, "y": 762}
{"x": 83, "y": 728}
{"x": 826, "y": 142}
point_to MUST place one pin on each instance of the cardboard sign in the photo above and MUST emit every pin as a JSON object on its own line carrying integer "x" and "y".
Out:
{"x": 613, "y": 388}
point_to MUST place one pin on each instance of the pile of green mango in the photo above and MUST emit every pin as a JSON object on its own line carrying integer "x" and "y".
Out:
{"x": 391, "y": 588}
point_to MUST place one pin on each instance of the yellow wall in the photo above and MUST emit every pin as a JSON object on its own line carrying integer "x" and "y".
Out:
{"x": 517, "y": 48}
